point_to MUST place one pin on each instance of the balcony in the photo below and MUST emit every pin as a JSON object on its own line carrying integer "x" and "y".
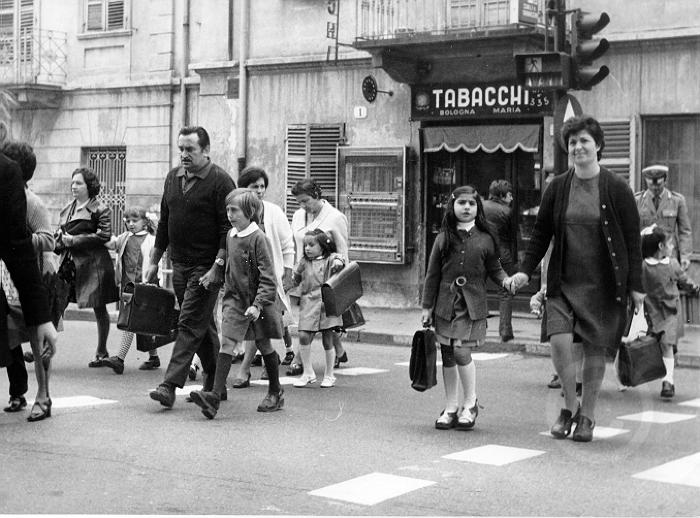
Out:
{"x": 33, "y": 66}
{"x": 419, "y": 41}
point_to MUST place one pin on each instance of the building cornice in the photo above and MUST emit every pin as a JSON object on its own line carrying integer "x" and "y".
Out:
{"x": 347, "y": 60}
{"x": 671, "y": 35}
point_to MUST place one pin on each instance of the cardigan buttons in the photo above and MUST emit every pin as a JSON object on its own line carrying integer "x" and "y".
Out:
{"x": 604, "y": 206}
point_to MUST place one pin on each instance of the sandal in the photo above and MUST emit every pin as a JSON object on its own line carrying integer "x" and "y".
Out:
{"x": 97, "y": 362}
{"x": 44, "y": 411}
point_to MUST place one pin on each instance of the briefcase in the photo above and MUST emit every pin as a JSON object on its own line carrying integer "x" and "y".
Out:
{"x": 640, "y": 360}
{"x": 147, "y": 309}
{"x": 342, "y": 289}
{"x": 422, "y": 367}
{"x": 353, "y": 317}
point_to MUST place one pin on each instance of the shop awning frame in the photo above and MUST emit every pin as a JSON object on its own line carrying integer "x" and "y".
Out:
{"x": 488, "y": 138}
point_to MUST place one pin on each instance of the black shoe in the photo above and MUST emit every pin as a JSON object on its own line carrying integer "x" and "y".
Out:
{"x": 152, "y": 363}
{"x": 192, "y": 374}
{"x": 562, "y": 426}
{"x": 98, "y": 361}
{"x": 28, "y": 356}
{"x": 295, "y": 369}
{"x": 288, "y": 358}
{"x": 584, "y": 430}
{"x": 115, "y": 363}
{"x": 467, "y": 418}
{"x": 340, "y": 359}
{"x": 257, "y": 360}
{"x": 207, "y": 401}
{"x": 506, "y": 338}
{"x": 164, "y": 394}
{"x": 446, "y": 421}
{"x": 272, "y": 402}
{"x": 16, "y": 404}
{"x": 554, "y": 383}
{"x": 667, "y": 390}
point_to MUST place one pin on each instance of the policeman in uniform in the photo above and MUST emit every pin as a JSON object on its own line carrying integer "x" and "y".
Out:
{"x": 667, "y": 209}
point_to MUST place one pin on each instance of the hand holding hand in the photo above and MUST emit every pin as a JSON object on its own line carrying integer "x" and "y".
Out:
{"x": 536, "y": 303}
{"x": 516, "y": 282}
{"x": 638, "y": 299}
{"x": 152, "y": 274}
{"x": 252, "y": 313}
{"x": 213, "y": 279}
{"x": 46, "y": 336}
{"x": 287, "y": 279}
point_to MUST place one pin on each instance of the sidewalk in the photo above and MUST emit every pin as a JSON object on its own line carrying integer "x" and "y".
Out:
{"x": 386, "y": 326}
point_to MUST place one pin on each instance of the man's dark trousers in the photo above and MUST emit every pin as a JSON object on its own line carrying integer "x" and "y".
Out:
{"x": 196, "y": 326}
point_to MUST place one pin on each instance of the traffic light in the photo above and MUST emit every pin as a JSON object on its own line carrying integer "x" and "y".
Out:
{"x": 585, "y": 49}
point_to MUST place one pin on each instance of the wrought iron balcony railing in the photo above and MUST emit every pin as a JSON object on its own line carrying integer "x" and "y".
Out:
{"x": 33, "y": 57}
{"x": 406, "y": 19}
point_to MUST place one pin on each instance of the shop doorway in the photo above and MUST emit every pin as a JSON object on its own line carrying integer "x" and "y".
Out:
{"x": 448, "y": 170}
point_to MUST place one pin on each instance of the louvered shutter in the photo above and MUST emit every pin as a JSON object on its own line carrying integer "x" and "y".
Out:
{"x": 618, "y": 155}
{"x": 95, "y": 15}
{"x": 115, "y": 15}
{"x": 105, "y": 15}
{"x": 26, "y": 29}
{"x": 311, "y": 153}
{"x": 7, "y": 32}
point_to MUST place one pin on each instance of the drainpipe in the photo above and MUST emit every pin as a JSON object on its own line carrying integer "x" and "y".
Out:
{"x": 185, "y": 61}
{"x": 243, "y": 85}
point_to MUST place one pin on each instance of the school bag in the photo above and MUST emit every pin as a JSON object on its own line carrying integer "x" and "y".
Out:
{"x": 422, "y": 367}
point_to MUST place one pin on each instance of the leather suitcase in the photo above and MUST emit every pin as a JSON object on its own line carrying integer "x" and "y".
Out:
{"x": 640, "y": 361}
{"x": 147, "y": 309}
{"x": 422, "y": 368}
{"x": 342, "y": 289}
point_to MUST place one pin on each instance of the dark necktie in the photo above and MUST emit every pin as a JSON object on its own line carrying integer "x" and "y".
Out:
{"x": 656, "y": 202}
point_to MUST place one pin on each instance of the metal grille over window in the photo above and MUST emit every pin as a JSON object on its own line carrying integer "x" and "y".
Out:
{"x": 109, "y": 164}
{"x": 371, "y": 193}
{"x": 312, "y": 153}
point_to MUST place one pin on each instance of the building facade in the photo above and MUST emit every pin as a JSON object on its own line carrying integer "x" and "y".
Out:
{"x": 389, "y": 104}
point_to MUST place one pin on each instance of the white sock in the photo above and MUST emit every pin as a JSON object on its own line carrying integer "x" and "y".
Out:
{"x": 330, "y": 360}
{"x": 668, "y": 363}
{"x": 449, "y": 375}
{"x": 467, "y": 374}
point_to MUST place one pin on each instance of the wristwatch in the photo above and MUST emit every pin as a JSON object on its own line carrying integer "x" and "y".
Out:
{"x": 219, "y": 261}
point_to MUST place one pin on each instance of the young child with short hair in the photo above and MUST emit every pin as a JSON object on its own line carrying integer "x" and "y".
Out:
{"x": 320, "y": 261}
{"x": 133, "y": 249}
{"x": 250, "y": 309}
{"x": 661, "y": 277}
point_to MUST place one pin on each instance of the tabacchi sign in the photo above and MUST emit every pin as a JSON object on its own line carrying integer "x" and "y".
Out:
{"x": 478, "y": 101}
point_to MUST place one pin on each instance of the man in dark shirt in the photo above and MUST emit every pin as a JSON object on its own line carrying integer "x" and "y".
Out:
{"x": 193, "y": 226}
{"x": 498, "y": 215}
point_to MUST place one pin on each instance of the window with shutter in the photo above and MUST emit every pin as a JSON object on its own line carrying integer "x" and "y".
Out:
{"x": 371, "y": 193}
{"x": 105, "y": 15}
{"x": 312, "y": 153}
{"x": 16, "y": 31}
{"x": 618, "y": 154}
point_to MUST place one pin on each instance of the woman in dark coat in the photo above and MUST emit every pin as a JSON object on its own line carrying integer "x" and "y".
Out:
{"x": 85, "y": 227}
{"x": 595, "y": 268}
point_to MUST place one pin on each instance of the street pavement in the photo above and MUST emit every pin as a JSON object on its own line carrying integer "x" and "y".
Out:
{"x": 364, "y": 447}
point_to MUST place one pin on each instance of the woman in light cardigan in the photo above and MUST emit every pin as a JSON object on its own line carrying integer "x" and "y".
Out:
{"x": 279, "y": 235}
{"x": 315, "y": 212}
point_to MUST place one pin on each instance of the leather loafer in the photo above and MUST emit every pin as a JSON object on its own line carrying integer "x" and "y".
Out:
{"x": 667, "y": 390}
{"x": 562, "y": 426}
{"x": 446, "y": 421}
{"x": 241, "y": 383}
{"x": 584, "y": 430}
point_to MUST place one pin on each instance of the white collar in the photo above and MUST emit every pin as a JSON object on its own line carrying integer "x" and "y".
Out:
{"x": 653, "y": 260}
{"x": 245, "y": 232}
{"x": 466, "y": 226}
{"x": 139, "y": 233}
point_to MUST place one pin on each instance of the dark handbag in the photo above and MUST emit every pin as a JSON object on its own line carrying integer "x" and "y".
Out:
{"x": 353, "y": 317}
{"x": 145, "y": 343}
{"x": 640, "y": 360}
{"x": 342, "y": 289}
{"x": 422, "y": 368}
{"x": 147, "y": 309}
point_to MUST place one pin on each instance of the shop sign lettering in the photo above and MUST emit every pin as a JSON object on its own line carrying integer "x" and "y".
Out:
{"x": 432, "y": 102}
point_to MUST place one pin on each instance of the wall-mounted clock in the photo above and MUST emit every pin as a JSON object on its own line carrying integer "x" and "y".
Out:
{"x": 369, "y": 89}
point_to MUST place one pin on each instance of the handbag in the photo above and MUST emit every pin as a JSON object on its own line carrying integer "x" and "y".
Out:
{"x": 353, "y": 317}
{"x": 422, "y": 367}
{"x": 145, "y": 343}
{"x": 147, "y": 309}
{"x": 640, "y": 360}
{"x": 342, "y": 289}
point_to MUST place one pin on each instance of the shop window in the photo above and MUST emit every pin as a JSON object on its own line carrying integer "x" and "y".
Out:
{"x": 618, "y": 155}
{"x": 312, "y": 153}
{"x": 371, "y": 193}
{"x": 675, "y": 142}
{"x": 109, "y": 164}
{"x": 104, "y": 15}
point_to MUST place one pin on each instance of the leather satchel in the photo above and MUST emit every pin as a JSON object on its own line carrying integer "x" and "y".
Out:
{"x": 640, "y": 360}
{"x": 353, "y": 317}
{"x": 147, "y": 309}
{"x": 422, "y": 367}
{"x": 342, "y": 289}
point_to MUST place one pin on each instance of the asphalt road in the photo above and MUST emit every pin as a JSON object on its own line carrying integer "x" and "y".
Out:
{"x": 372, "y": 435}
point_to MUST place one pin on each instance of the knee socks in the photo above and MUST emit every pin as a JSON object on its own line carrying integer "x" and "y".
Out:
{"x": 467, "y": 375}
{"x": 223, "y": 366}
{"x": 127, "y": 338}
{"x": 330, "y": 360}
{"x": 271, "y": 362}
{"x": 668, "y": 363}
{"x": 450, "y": 376}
